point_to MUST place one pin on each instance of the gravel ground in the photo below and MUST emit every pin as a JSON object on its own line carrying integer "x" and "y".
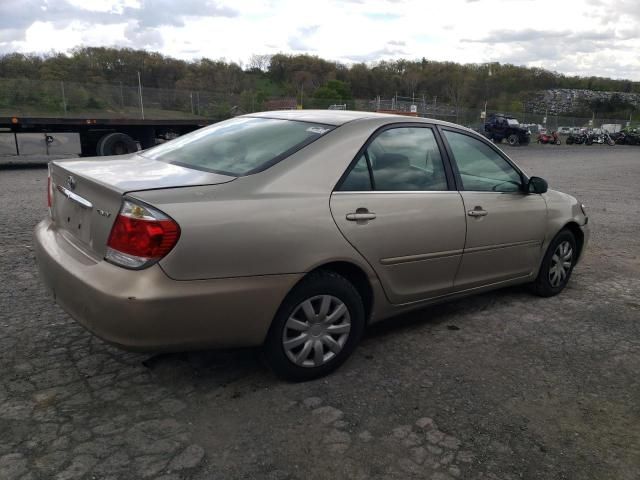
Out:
{"x": 502, "y": 385}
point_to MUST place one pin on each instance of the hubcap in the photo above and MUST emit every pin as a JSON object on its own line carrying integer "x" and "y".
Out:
{"x": 560, "y": 264}
{"x": 316, "y": 331}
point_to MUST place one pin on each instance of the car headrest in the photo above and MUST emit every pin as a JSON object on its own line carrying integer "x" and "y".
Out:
{"x": 392, "y": 160}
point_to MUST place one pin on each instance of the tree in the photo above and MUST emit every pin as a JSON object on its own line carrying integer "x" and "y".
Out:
{"x": 259, "y": 62}
{"x": 334, "y": 90}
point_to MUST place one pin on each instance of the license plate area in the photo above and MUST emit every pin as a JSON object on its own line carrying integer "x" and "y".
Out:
{"x": 74, "y": 217}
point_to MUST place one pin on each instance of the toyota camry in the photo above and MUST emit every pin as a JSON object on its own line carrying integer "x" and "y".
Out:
{"x": 294, "y": 231}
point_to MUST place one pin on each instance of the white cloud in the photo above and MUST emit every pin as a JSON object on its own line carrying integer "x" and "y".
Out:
{"x": 587, "y": 37}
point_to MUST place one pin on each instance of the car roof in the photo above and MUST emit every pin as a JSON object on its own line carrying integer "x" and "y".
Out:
{"x": 340, "y": 117}
{"x": 327, "y": 117}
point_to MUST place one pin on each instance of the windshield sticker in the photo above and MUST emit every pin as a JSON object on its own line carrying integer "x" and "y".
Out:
{"x": 318, "y": 130}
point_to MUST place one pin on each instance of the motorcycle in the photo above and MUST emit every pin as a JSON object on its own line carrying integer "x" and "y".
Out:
{"x": 577, "y": 139}
{"x": 549, "y": 139}
{"x": 600, "y": 138}
{"x": 622, "y": 138}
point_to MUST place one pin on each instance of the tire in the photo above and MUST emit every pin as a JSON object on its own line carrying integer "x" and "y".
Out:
{"x": 513, "y": 140}
{"x": 548, "y": 284}
{"x": 611, "y": 142}
{"x": 569, "y": 141}
{"x": 292, "y": 317}
{"x": 116, "y": 143}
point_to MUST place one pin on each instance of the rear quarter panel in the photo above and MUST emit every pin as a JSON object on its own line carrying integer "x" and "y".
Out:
{"x": 273, "y": 222}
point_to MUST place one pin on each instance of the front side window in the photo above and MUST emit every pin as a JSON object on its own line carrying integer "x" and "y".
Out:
{"x": 481, "y": 168}
{"x": 401, "y": 159}
{"x": 239, "y": 146}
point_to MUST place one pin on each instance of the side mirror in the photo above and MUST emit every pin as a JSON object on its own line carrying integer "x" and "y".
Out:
{"x": 537, "y": 185}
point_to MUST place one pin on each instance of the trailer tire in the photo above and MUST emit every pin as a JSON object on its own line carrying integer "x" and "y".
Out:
{"x": 116, "y": 143}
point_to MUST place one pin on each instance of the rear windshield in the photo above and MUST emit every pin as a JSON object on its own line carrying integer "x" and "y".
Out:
{"x": 239, "y": 146}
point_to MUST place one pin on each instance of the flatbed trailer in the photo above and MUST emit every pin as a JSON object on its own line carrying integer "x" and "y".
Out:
{"x": 40, "y": 139}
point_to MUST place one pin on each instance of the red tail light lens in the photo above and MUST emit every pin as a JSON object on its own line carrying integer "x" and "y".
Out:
{"x": 140, "y": 236}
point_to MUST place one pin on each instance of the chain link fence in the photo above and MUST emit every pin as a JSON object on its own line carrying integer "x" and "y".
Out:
{"x": 24, "y": 97}
{"x": 472, "y": 117}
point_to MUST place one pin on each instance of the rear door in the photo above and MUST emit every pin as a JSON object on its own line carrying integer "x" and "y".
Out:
{"x": 395, "y": 206}
{"x": 505, "y": 225}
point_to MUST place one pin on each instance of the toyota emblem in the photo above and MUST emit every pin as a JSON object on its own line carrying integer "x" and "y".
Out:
{"x": 71, "y": 182}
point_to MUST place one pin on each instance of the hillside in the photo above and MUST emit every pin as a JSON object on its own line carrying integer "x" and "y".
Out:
{"x": 307, "y": 78}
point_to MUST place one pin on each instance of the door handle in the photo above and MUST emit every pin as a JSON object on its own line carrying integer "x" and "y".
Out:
{"x": 362, "y": 214}
{"x": 477, "y": 212}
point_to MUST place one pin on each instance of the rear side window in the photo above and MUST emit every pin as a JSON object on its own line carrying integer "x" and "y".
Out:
{"x": 239, "y": 146}
{"x": 401, "y": 159}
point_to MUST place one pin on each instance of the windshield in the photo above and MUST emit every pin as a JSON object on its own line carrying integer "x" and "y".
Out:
{"x": 239, "y": 146}
{"x": 512, "y": 122}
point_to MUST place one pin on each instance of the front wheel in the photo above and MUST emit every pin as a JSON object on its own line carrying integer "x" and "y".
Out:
{"x": 557, "y": 265}
{"x": 513, "y": 140}
{"x": 611, "y": 142}
{"x": 569, "y": 141}
{"x": 316, "y": 329}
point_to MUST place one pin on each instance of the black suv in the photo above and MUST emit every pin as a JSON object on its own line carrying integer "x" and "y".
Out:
{"x": 499, "y": 126}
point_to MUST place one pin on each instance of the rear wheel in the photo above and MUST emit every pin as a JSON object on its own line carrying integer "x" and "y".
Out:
{"x": 557, "y": 265}
{"x": 513, "y": 140}
{"x": 569, "y": 141}
{"x": 116, "y": 143}
{"x": 317, "y": 327}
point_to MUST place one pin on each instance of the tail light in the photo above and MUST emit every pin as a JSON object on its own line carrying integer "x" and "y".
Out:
{"x": 140, "y": 236}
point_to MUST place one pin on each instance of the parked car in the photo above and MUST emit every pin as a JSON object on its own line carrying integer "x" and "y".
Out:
{"x": 296, "y": 230}
{"x": 564, "y": 130}
{"x": 499, "y": 127}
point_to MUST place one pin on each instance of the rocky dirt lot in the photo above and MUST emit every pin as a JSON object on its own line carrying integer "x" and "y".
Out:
{"x": 499, "y": 386}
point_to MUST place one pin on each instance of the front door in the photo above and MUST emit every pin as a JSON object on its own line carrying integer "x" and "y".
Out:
{"x": 505, "y": 225}
{"x": 396, "y": 209}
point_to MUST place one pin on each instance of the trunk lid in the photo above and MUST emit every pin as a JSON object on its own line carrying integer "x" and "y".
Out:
{"x": 87, "y": 193}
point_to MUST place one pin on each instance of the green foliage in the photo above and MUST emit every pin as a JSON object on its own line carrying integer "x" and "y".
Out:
{"x": 334, "y": 89}
{"x": 94, "y": 104}
{"x": 304, "y": 77}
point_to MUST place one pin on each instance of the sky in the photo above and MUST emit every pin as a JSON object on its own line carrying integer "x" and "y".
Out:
{"x": 575, "y": 37}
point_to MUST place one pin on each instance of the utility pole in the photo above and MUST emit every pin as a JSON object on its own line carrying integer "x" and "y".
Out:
{"x": 64, "y": 100}
{"x": 140, "y": 94}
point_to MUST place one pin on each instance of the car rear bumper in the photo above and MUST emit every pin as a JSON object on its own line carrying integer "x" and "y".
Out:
{"x": 145, "y": 310}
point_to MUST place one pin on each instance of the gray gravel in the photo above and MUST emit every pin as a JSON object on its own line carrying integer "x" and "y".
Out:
{"x": 503, "y": 385}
